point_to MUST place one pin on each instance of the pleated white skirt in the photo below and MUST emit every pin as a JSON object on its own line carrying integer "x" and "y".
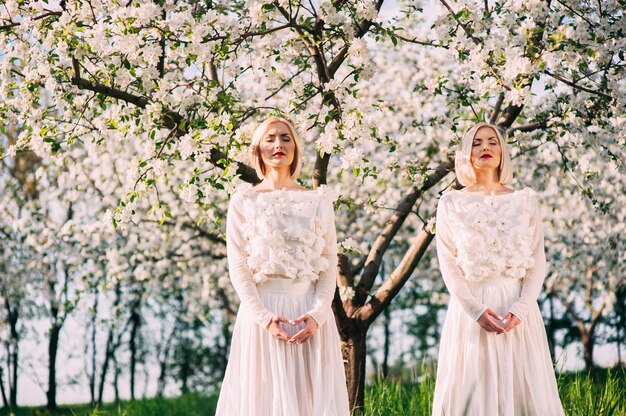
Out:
{"x": 480, "y": 373}
{"x": 269, "y": 377}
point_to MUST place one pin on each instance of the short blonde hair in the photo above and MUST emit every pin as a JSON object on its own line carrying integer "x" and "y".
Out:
{"x": 255, "y": 156}
{"x": 463, "y": 158}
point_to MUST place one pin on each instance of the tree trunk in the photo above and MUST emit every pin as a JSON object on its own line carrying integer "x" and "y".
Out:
{"x": 57, "y": 316}
{"x": 619, "y": 348}
{"x": 53, "y": 347}
{"x": 163, "y": 362}
{"x": 94, "y": 347}
{"x": 134, "y": 330}
{"x": 111, "y": 346}
{"x": 185, "y": 368}
{"x": 587, "y": 337}
{"x": 386, "y": 324}
{"x": 5, "y": 401}
{"x": 105, "y": 364}
{"x": 162, "y": 377}
{"x": 13, "y": 353}
{"x": 116, "y": 379}
{"x": 354, "y": 352}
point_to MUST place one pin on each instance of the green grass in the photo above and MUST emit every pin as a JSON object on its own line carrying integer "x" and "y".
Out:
{"x": 606, "y": 396}
{"x": 581, "y": 396}
{"x": 191, "y": 404}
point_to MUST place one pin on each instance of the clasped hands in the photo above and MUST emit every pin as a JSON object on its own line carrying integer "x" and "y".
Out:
{"x": 491, "y": 321}
{"x": 310, "y": 325}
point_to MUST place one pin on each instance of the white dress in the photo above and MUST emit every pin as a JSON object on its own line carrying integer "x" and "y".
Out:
{"x": 491, "y": 254}
{"x": 282, "y": 258}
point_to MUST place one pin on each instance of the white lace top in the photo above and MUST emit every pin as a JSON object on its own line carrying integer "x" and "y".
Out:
{"x": 497, "y": 236}
{"x": 483, "y": 237}
{"x": 282, "y": 234}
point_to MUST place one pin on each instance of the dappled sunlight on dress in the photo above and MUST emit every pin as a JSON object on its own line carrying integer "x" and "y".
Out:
{"x": 282, "y": 256}
{"x": 491, "y": 255}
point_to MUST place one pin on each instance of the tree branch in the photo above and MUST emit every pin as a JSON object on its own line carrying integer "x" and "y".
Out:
{"x": 320, "y": 169}
{"x": 382, "y": 242}
{"x": 171, "y": 119}
{"x": 496, "y": 109}
{"x": 508, "y": 116}
{"x": 396, "y": 280}
{"x": 41, "y": 16}
{"x": 527, "y": 127}
{"x": 362, "y": 30}
{"x": 464, "y": 26}
{"x": 576, "y": 86}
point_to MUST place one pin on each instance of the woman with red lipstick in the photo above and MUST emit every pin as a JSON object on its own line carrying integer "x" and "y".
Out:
{"x": 493, "y": 356}
{"x": 285, "y": 358}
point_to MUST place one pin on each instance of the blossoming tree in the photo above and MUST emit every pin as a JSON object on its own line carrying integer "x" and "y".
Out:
{"x": 380, "y": 99}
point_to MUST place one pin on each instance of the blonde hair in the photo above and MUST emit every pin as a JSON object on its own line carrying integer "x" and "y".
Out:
{"x": 463, "y": 158}
{"x": 255, "y": 156}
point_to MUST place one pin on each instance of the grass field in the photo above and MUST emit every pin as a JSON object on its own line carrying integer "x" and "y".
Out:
{"x": 581, "y": 396}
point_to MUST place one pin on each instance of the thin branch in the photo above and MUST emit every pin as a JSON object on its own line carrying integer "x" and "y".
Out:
{"x": 284, "y": 84}
{"x": 41, "y": 16}
{"x": 577, "y": 13}
{"x": 421, "y": 42}
{"x": 464, "y": 26}
{"x": 81, "y": 83}
{"x": 411, "y": 40}
{"x": 576, "y": 86}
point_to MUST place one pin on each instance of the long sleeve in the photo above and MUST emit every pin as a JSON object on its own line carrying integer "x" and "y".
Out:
{"x": 240, "y": 274}
{"x": 533, "y": 281}
{"x": 451, "y": 272}
{"x": 327, "y": 282}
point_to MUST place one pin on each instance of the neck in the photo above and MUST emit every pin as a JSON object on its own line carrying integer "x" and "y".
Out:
{"x": 278, "y": 178}
{"x": 487, "y": 180}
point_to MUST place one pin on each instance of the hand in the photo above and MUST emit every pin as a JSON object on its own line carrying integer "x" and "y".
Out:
{"x": 510, "y": 321}
{"x": 490, "y": 321}
{"x": 310, "y": 325}
{"x": 275, "y": 328}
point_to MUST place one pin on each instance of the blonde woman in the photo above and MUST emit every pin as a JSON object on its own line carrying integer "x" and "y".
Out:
{"x": 493, "y": 355}
{"x": 285, "y": 357}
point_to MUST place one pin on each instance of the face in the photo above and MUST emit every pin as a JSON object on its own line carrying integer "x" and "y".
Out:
{"x": 278, "y": 146}
{"x": 486, "y": 149}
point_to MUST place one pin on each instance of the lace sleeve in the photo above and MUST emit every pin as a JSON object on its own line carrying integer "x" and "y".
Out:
{"x": 240, "y": 274}
{"x": 451, "y": 272}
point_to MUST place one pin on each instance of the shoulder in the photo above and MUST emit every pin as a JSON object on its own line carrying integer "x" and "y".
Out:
{"x": 528, "y": 194}
{"x": 449, "y": 198}
{"x": 448, "y": 204}
{"x": 327, "y": 194}
{"x": 238, "y": 197}
{"x": 241, "y": 191}
{"x": 243, "y": 188}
